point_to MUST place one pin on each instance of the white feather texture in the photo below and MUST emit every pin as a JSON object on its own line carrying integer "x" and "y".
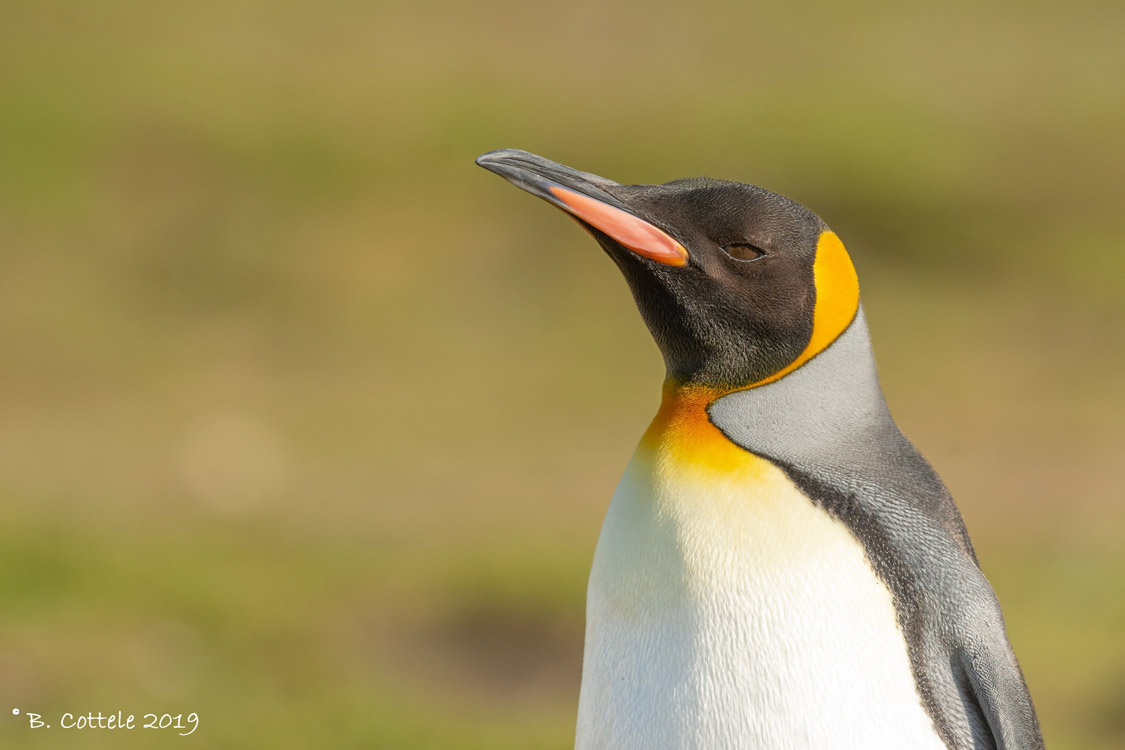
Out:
{"x": 726, "y": 610}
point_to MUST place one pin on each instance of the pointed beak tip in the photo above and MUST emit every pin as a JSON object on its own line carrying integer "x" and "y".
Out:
{"x": 483, "y": 159}
{"x": 501, "y": 155}
{"x": 486, "y": 160}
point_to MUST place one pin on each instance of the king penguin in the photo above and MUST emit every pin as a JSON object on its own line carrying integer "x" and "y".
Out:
{"x": 779, "y": 567}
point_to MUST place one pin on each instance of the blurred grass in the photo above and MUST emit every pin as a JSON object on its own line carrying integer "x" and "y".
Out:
{"x": 307, "y": 425}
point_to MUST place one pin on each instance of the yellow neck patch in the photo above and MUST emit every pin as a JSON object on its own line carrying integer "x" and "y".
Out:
{"x": 683, "y": 434}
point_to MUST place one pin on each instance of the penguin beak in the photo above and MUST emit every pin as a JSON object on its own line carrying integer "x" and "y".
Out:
{"x": 587, "y": 197}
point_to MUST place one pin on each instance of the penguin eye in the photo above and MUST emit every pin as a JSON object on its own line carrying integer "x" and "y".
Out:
{"x": 743, "y": 251}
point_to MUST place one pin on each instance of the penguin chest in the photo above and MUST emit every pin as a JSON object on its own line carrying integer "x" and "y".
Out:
{"x": 726, "y": 610}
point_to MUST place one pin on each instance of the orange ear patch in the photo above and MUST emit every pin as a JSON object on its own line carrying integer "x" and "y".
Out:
{"x": 636, "y": 234}
{"x": 837, "y": 301}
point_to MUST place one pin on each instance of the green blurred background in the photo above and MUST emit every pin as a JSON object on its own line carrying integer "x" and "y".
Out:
{"x": 307, "y": 424}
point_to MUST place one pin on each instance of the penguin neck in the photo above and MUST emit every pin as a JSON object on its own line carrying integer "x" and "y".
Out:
{"x": 833, "y": 399}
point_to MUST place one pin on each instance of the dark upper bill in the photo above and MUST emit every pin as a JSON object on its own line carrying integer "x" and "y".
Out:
{"x": 584, "y": 196}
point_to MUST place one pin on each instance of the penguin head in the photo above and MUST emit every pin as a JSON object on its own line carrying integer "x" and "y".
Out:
{"x": 738, "y": 285}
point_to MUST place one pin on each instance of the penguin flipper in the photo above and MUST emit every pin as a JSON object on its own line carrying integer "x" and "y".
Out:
{"x": 997, "y": 687}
